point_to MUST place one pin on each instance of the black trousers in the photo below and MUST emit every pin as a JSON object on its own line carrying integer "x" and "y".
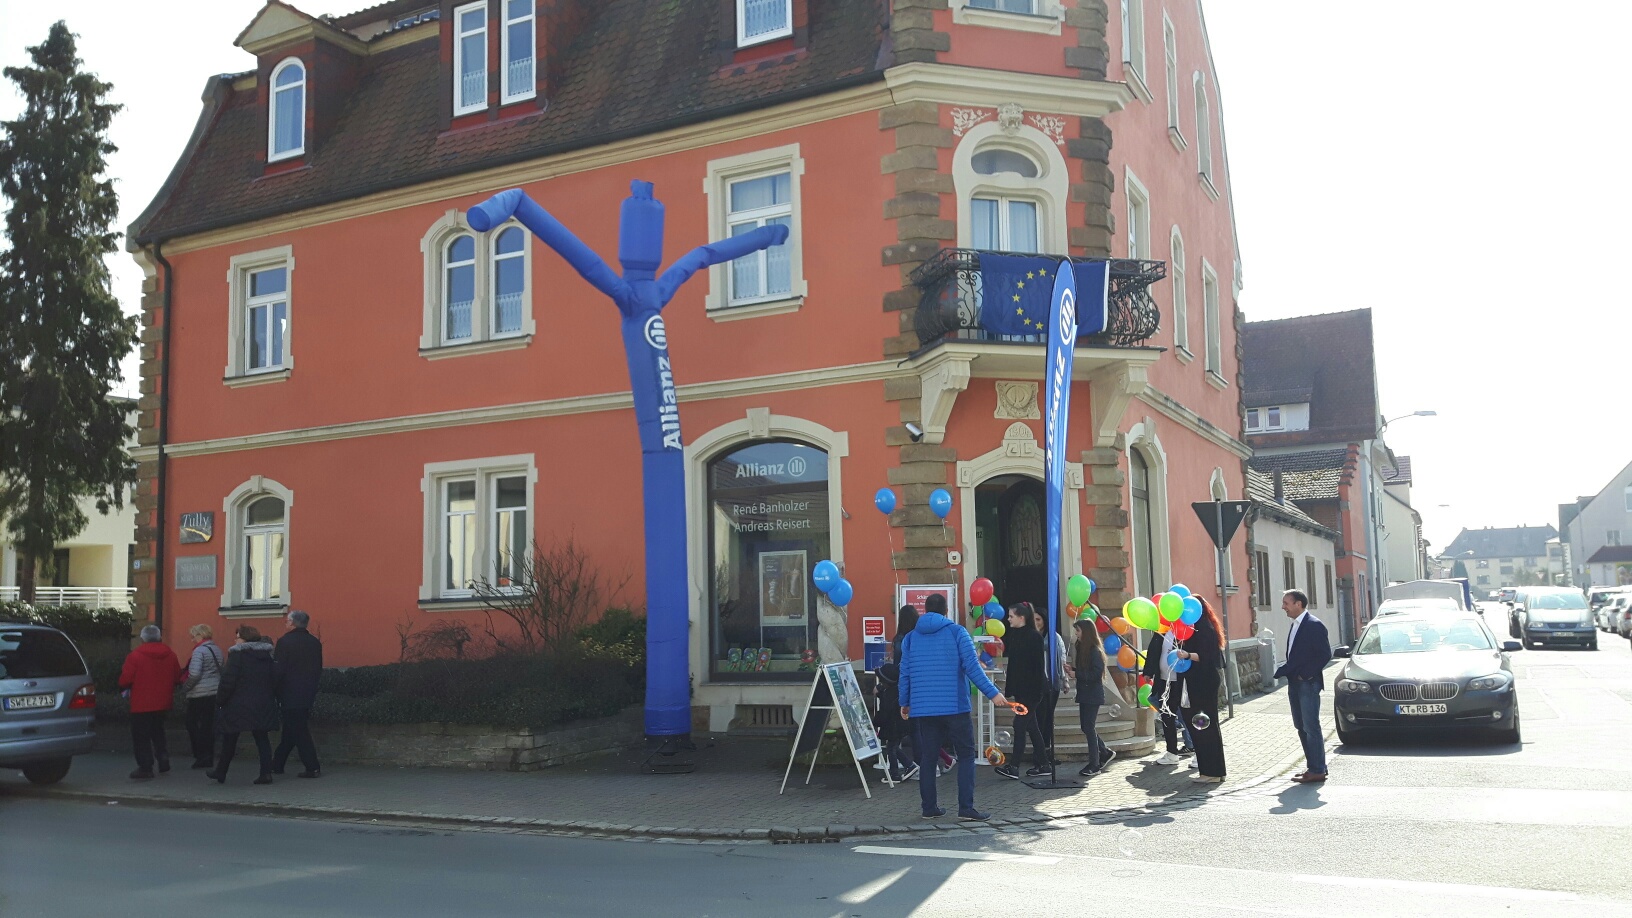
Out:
{"x": 1209, "y": 742}
{"x": 296, "y": 734}
{"x": 147, "y": 737}
{"x": 201, "y": 728}
{"x": 1026, "y": 725}
{"x": 1170, "y": 722}
{"x": 1051, "y": 701}
{"x": 229, "y": 748}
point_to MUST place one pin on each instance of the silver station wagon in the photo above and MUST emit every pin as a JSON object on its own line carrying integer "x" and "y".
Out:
{"x": 47, "y": 702}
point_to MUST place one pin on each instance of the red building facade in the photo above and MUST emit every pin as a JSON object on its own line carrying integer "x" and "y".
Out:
{"x": 376, "y": 405}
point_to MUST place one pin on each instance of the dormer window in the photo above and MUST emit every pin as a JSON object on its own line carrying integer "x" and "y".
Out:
{"x": 763, "y": 20}
{"x": 286, "y": 123}
{"x": 519, "y": 34}
{"x": 470, "y": 58}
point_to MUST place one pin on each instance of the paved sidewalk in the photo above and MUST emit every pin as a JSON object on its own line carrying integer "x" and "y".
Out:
{"x": 731, "y": 796}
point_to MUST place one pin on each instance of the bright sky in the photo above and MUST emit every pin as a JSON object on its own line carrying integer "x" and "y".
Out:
{"x": 1450, "y": 164}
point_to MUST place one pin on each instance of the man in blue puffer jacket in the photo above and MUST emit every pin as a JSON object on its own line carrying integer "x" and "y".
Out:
{"x": 937, "y": 665}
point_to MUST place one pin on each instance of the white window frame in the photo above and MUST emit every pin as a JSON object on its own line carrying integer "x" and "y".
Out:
{"x": 239, "y": 268}
{"x": 509, "y": 93}
{"x": 744, "y": 41}
{"x": 1005, "y": 228}
{"x": 1044, "y": 18}
{"x": 234, "y": 601}
{"x": 1133, "y": 47}
{"x": 459, "y": 58}
{"x": 1138, "y": 207}
{"x": 1254, "y": 419}
{"x": 1050, "y": 190}
{"x": 1181, "y": 297}
{"x": 1204, "y": 135}
{"x": 760, "y": 217}
{"x": 1214, "y": 330}
{"x": 433, "y": 341}
{"x": 273, "y": 91}
{"x": 1170, "y": 57}
{"x": 1628, "y": 498}
{"x": 485, "y": 472}
{"x": 717, "y": 183}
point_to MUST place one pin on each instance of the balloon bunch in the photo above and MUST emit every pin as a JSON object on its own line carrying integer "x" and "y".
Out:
{"x": 838, "y": 590}
{"x": 1175, "y": 610}
{"x": 986, "y": 619}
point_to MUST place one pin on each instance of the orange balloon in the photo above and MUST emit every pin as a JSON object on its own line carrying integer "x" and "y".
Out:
{"x": 1127, "y": 657}
{"x": 1163, "y": 626}
{"x": 1121, "y": 626}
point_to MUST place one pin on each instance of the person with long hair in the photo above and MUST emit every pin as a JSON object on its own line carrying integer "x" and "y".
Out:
{"x": 1164, "y": 687}
{"x": 1027, "y": 683}
{"x": 1198, "y": 694}
{"x": 1089, "y": 663}
{"x": 905, "y": 620}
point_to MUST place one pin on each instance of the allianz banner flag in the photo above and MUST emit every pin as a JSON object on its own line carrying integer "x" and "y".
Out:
{"x": 1092, "y": 281}
{"x": 1018, "y": 293}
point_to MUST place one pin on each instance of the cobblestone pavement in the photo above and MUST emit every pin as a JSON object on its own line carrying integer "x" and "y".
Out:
{"x": 732, "y": 795}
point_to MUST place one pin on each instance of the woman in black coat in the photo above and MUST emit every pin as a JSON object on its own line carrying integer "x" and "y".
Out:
{"x": 249, "y": 702}
{"x": 1026, "y": 684}
{"x": 1164, "y": 682}
{"x": 1198, "y": 689}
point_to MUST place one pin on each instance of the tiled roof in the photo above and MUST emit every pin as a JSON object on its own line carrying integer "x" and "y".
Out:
{"x": 1610, "y": 554}
{"x": 1511, "y": 542}
{"x": 1312, "y": 475}
{"x": 1399, "y": 472}
{"x": 1261, "y": 489}
{"x": 635, "y": 68}
{"x": 1328, "y": 359}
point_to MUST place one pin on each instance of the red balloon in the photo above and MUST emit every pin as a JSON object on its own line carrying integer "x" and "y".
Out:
{"x": 980, "y": 592}
{"x": 1102, "y": 625}
{"x": 1183, "y": 631}
{"x": 994, "y": 648}
{"x": 1144, "y": 679}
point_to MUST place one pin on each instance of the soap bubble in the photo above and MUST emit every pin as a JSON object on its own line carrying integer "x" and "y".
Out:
{"x": 1131, "y": 839}
{"x": 1267, "y": 636}
{"x": 1114, "y": 711}
{"x": 1201, "y": 721}
{"x": 1003, "y": 737}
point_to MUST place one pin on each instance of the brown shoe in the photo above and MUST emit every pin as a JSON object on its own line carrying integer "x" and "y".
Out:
{"x": 1310, "y": 778}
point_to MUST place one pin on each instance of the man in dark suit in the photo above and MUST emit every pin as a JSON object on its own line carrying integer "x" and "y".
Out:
{"x": 299, "y": 662}
{"x": 1307, "y": 652}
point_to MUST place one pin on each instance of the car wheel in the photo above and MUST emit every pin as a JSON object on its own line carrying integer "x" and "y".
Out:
{"x": 1348, "y": 737}
{"x": 1511, "y": 736}
{"x": 1594, "y": 644}
{"x": 48, "y": 772}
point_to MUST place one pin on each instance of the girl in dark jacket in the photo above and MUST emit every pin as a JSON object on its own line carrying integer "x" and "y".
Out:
{"x": 249, "y": 702}
{"x": 1027, "y": 683}
{"x": 1198, "y": 689}
{"x": 1088, "y": 659}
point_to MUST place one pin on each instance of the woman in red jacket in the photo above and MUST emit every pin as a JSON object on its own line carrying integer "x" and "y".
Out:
{"x": 150, "y": 675}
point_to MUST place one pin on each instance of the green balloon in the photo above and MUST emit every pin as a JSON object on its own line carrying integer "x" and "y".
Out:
{"x": 1172, "y": 607}
{"x": 1142, "y": 613}
{"x": 1078, "y": 589}
{"x": 1144, "y": 696}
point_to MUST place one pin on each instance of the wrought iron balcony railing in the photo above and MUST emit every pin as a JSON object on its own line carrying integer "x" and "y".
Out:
{"x": 950, "y": 285}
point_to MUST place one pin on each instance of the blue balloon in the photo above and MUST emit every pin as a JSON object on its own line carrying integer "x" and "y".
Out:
{"x": 940, "y": 502}
{"x": 826, "y": 575}
{"x": 1172, "y": 659}
{"x": 1192, "y": 611}
{"x": 1180, "y": 589}
{"x": 993, "y": 609}
{"x": 986, "y": 659}
{"x": 841, "y": 593}
{"x": 1182, "y": 665}
{"x": 1112, "y": 644}
{"x": 884, "y": 500}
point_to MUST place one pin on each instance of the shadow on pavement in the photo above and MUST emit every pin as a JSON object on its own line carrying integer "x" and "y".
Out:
{"x": 1298, "y": 797}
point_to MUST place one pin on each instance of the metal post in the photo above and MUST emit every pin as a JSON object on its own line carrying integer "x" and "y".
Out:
{"x": 1231, "y": 681}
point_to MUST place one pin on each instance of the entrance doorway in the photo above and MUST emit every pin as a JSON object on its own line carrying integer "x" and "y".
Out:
{"x": 1010, "y": 541}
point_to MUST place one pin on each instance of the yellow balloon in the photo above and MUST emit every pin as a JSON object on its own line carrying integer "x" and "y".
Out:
{"x": 995, "y": 627}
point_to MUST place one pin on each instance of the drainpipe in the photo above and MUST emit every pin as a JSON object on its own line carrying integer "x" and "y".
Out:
{"x": 1366, "y": 495}
{"x": 164, "y": 429}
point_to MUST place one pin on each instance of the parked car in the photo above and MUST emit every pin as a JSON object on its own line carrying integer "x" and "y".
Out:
{"x": 1624, "y": 626}
{"x": 1396, "y": 606}
{"x": 47, "y": 702}
{"x": 1609, "y": 612}
{"x": 1429, "y": 670}
{"x": 1555, "y": 615}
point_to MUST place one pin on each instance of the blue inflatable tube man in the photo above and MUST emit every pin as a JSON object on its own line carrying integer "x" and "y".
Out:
{"x": 640, "y": 295}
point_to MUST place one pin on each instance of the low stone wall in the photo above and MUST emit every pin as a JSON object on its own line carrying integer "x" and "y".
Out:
{"x": 440, "y": 745}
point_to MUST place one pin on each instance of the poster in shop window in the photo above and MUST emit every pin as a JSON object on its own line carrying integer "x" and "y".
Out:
{"x": 782, "y": 594}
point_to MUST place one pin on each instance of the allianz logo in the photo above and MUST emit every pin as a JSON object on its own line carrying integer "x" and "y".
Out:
{"x": 793, "y": 468}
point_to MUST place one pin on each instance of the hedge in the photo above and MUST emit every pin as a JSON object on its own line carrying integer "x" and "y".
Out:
{"x": 81, "y": 623}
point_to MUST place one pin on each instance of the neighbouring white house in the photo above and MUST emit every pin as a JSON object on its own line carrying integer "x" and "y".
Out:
{"x": 1596, "y": 532}
{"x": 1403, "y": 549}
{"x": 1290, "y": 550}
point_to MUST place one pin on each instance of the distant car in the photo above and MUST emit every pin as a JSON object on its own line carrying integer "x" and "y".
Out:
{"x": 1624, "y": 626}
{"x": 1555, "y": 616}
{"x": 1428, "y": 670}
{"x": 1609, "y": 613}
{"x": 1397, "y": 606}
{"x": 1495, "y": 596}
{"x": 47, "y": 702}
{"x": 1505, "y": 594}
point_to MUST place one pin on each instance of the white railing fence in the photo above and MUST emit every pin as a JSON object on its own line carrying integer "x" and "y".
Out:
{"x": 93, "y": 597}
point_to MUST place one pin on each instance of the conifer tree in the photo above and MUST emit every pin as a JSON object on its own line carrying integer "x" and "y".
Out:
{"x": 62, "y": 334}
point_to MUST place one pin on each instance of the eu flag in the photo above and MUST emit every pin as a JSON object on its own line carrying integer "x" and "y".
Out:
{"x": 1016, "y": 293}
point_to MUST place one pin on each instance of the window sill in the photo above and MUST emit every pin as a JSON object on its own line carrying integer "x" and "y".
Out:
{"x": 1207, "y": 185}
{"x": 257, "y": 379}
{"x": 778, "y": 35}
{"x": 490, "y": 346}
{"x": 454, "y": 604}
{"x": 278, "y": 611}
{"x": 1136, "y": 82}
{"x": 1183, "y": 353}
{"x": 1035, "y": 23}
{"x": 1216, "y": 381}
{"x": 756, "y": 310}
{"x": 1179, "y": 143}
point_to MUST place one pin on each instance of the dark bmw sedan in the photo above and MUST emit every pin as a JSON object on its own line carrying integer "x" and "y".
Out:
{"x": 1433, "y": 671}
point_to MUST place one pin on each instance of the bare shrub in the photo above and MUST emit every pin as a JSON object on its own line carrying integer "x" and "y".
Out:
{"x": 554, "y": 592}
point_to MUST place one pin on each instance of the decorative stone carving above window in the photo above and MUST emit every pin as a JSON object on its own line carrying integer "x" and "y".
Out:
{"x": 1017, "y": 400}
{"x": 1009, "y": 117}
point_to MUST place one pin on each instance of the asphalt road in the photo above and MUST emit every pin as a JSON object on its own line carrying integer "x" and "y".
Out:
{"x": 1448, "y": 828}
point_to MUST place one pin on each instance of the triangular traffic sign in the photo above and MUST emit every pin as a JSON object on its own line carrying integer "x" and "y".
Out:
{"x": 1221, "y": 518}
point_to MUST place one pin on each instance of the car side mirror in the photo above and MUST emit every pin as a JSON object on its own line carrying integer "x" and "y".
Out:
{"x": 1342, "y": 650}
{"x": 1510, "y": 646}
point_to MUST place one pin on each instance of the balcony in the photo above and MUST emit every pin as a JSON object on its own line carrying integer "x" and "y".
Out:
{"x": 951, "y": 297}
{"x": 89, "y": 596}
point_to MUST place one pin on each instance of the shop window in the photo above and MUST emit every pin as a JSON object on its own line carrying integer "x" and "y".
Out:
{"x": 763, "y": 20}
{"x": 768, "y": 526}
{"x": 258, "y": 289}
{"x": 478, "y": 289}
{"x": 257, "y": 567}
{"x": 286, "y": 127}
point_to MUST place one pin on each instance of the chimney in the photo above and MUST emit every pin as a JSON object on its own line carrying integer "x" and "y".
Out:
{"x": 1280, "y": 490}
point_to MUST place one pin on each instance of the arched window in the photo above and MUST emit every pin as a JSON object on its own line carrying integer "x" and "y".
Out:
{"x": 459, "y": 288}
{"x": 509, "y": 279}
{"x": 257, "y": 525}
{"x": 1005, "y": 220}
{"x": 1181, "y": 308}
{"x": 1204, "y": 130}
{"x": 768, "y": 525}
{"x": 1013, "y": 187}
{"x": 286, "y": 131}
{"x": 1144, "y": 554}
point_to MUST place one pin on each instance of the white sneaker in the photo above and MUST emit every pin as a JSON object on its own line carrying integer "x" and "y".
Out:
{"x": 1190, "y": 763}
{"x": 1169, "y": 758}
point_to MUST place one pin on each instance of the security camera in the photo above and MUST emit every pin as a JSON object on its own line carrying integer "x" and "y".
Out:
{"x": 915, "y": 432}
